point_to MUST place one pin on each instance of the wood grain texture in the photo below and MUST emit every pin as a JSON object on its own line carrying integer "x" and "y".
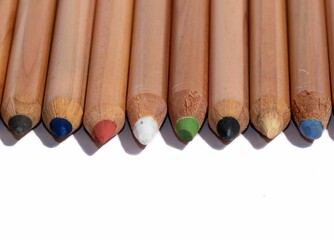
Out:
{"x": 330, "y": 36}
{"x": 109, "y": 64}
{"x": 149, "y": 64}
{"x": 309, "y": 66}
{"x": 229, "y": 76}
{"x": 27, "y": 67}
{"x": 8, "y": 10}
{"x": 69, "y": 59}
{"x": 188, "y": 85}
{"x": 269, "y": 72}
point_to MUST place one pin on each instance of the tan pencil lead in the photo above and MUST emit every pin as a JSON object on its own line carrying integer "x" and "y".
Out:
{"x": 271, "y": 124}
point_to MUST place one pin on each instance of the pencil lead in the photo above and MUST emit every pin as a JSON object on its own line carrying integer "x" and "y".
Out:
{"x": 145, "y": 129}
{"x": 19, "y": 124}
{"x": 311, "y": 128}
{"x": 187, "y": 128}
{"x": 60, "y": 127}
{"x": 228, "y": 128}
{"x": 103, "y": 131}
{"x": 270, "y": 124}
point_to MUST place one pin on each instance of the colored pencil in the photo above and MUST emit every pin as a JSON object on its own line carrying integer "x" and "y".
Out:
{"x": 67, "y": 76}
{"x": 269, "y": 72}
{"x": 309, "y": 67}
{"x": 27, "y": 67}
{"x": 148, "y": 79}
{"x": 104, "y": 113}
{"x": 7, "y": 19}
{"x": 330, "y": 37}
{"x": 188, "y": 85}
{"x": 228, "y": 82}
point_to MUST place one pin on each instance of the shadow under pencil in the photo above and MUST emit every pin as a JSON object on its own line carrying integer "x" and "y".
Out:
{"x": 44, "y": 136}
{"x": 6, "y": 136}
{"x": 128, "y": 141}
{"x": 85, "y": 141}
{"x": 211, "y": 139}
{"x": 330, "y": 127}
{"x": 170, "y": 137}
{"x": 295, "y": 137}
{"x": 257, "y": 140}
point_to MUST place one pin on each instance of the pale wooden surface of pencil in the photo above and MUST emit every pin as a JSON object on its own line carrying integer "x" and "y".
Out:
{"x": 269, "y": 73}
{"x": 309, "y": 67}
{"x": 149, "y": 64}
{"x": 67, "y": 76}
{"x": 27, "y": 67}
{"x": 7, "y": 19}
{"x": 330, "y": 37}
{"x": 188, "y": 84}
{"x": 104, "y": 113}
{"x": 228, "y": 87}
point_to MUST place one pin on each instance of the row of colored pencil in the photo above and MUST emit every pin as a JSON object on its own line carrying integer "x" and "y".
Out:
{"x": 96, "y": 62}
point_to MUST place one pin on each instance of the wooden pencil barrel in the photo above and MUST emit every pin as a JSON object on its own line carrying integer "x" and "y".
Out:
{"x": 229, "y": 72}
{"x": 67, "y": 76}
{"x": 330, "y": 36}
{"x": 7, "y": 19}
{"x": 27, "y": 67}
{"x": 269, "y": 72}
{"x": 149, "y": 64}
{"x": 309, "y": 66}
{"x": 109, "y": 64}
{"x": 188, "y": 83}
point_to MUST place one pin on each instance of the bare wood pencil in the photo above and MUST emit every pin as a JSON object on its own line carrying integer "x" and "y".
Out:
{"x": 309, "y": 67}
{"x": 27, "y": 67}
{"x": 330, "y": 37}
{"x": 67, "y": 76}
{"x": 228, "y": 83}
{"x": 269, "y": 74}
{"x": 188, "y": 85}
{"x": 104, "y": 113}
{"x": 7, "y": 19}
{"x": 148, "y": 80}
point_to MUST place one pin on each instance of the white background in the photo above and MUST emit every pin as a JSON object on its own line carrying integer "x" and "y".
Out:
{"x": 249, "y": 189}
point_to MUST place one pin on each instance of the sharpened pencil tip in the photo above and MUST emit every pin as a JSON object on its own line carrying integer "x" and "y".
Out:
{"x": 228, "y": 128}
{"x": 187, "y": 128}
{"x": 311, "y": 128}
{"x": 145, "y": 129}
{"x": 103, "y": 131}
{"x": 271, "y": 124}
{"x": 60, "y": 127}
{"x": 19, "y": 124}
